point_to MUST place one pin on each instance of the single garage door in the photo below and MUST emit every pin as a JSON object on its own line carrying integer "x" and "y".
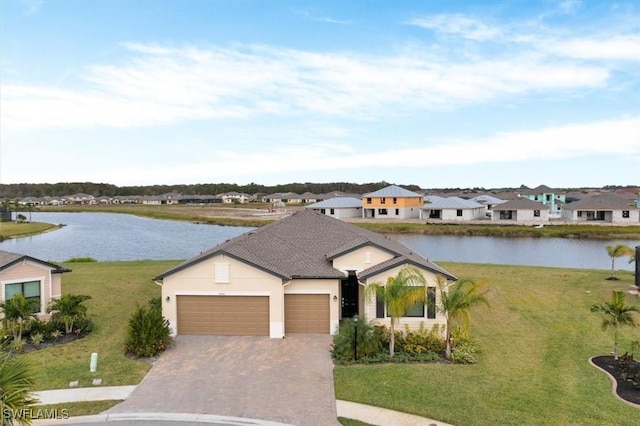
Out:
{"x": 306, "y": 313}
{"x": 224, "y": 315}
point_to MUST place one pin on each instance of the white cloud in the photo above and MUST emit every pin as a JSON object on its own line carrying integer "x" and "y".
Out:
{"x": 618, "y": 137}
{"x": 457, "y": 25}
{"x": 623, "y": 47}
{"x": 163, "y": 85}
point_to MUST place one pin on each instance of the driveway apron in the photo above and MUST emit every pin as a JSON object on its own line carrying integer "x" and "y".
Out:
{"x": 284, "y": 380}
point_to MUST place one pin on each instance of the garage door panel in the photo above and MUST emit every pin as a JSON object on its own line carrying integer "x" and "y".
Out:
{"x": 223, "y": 315}
{"x": 306, "y": 313}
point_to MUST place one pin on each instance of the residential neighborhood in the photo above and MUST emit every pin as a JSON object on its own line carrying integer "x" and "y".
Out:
{"x": 539, "y": 205}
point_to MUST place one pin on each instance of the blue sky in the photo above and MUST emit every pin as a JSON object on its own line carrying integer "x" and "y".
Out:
{"x": 433, "y": 93}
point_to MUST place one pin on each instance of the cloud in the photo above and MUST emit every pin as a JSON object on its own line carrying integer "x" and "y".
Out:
{"x": 32, "y": 6}
{"x": 622, "y": 47}
{"x": 572, "y": 141}
{"x": 160, "y": 84}
{"x": 457, "y": 25}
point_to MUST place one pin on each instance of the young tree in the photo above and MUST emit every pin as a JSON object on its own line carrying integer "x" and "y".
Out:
{"x": 18, "y": 311}
{"x": 17, "y": 380}
{"x": 70, "y": 308}
{"x": 456, "y": 300}
{"x": 616, "y": 314}
{"x": 619, "y": 250}
{"x": 400, "y": 293}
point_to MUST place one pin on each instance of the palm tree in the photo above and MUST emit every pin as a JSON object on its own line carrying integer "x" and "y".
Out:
{"x": 400, "y": 293}
{"x": 456, "y": 300}
{"x": 616, "y": 314}
{"x": 17, "y": 312}
{"x": 70, "y": 308}
{"x": 619, "y": 250}
{"x": 17, "y": 379}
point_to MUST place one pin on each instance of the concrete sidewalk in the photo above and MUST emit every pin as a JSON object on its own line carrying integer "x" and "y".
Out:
{"x": 364, "y": 413}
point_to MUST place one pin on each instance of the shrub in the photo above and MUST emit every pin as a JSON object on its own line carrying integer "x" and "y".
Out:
{"x": 422, "y": 340}
{"x": 17, "y": 345}
{"x": 369, "y": 340}
{"x": 70, "y": 309}
{"x": 465, "y": 352}
{"x": 385, "y": 337}
{"x": 148, "y": 332}
{"x": 80, "y": 260}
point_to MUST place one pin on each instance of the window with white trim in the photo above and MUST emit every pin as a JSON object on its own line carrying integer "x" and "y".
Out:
{"x": 221, "y": 274}
{"x": 367, "y": 257}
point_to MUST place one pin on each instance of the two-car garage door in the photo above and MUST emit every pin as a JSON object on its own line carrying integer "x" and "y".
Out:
{"x": 249, "y": 315}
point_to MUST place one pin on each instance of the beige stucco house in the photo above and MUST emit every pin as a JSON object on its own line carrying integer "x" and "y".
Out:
{"x": 301, "y": 274}
{"x": 521, "y": 210}
{"x": 34, "y": 278}
{"x": 609, "y": 208}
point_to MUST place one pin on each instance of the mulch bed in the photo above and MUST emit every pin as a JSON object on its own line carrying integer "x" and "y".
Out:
{"x": 624, "y": 388}
{"x": 65, "y": 338}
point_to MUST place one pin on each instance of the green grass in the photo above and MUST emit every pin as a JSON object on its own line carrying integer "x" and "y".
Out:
{"x": 75, "y": 409}
{"x": 14, "y": 229}
{"x": 115, "y": 288}
{"x": 537, "y": 337}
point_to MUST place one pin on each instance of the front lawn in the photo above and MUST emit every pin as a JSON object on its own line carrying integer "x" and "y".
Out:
{"x": 15, "y": 229}
{"x": 115, "y": 288}
{"x": 537, "y": 337}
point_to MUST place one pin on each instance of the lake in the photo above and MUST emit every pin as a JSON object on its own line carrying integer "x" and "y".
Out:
{"x": 110, "y": 237}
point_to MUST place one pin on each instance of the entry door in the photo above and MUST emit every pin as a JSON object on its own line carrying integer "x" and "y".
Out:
{"x": 350, "y": 296}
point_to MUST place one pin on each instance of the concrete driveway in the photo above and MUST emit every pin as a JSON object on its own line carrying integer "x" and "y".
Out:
{"x": 282, "y": 380}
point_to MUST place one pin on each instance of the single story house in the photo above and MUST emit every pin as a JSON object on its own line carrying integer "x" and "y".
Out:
{"x": 339, "y": 207}
{"x": 604, "y": 208}
{"x": 521, "y": 210}
{"x": 34, "y": 278}
{"x": 301, "y": 274}
{"x": 392, "y": 202}
{"x": 452, "y": 209}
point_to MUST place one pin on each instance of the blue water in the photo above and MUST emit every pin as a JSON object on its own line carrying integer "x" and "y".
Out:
{"x": 110, "y": 236}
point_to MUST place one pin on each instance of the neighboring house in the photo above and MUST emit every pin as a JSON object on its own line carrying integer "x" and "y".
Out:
{"x": 392, "y": 202}
{"x": 339, "y": 207}
{"x": 603, "y": 208}
{"x": 80, "y": 198}
{"x": 301, "y": 274}
{"x": 547, "y": 196}
{"x": 452, "y": 209}
{"x": 521, "y": 210}
{"x": 34, "y": 278}
{"x": 235, "y": 197}
{"x": 489, "y": 201}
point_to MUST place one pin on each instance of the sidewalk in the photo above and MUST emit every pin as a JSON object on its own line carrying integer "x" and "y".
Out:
{"x": 351, "y": 410}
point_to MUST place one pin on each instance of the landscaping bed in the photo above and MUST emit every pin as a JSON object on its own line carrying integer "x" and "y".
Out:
{"x": 626, "y": 374}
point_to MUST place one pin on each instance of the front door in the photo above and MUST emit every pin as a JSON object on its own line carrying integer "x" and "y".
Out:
{"x": 349, "y": 289}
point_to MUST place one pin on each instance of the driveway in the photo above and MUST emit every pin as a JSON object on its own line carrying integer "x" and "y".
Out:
{"x": 282, "y": 380}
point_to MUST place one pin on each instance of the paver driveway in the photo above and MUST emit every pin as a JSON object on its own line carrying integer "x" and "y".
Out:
{"x": 284, "y": 380}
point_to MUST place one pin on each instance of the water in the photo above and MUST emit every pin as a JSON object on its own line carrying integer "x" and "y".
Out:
{"x": 109, "y": 236}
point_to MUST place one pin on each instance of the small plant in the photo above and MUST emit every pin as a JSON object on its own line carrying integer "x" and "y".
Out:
{"x": 37, "y": 339}
{"x": 148, "y": 332}
{"x": 56, "y": 334}
{"x": 422, "y": 340}
{"x": 69, "y": 309}
{"x": 18, "y": 345}
{"x": 465, "y": 353}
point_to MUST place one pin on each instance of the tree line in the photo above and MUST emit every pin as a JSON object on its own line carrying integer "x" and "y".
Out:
{"x": 22, "y": 190}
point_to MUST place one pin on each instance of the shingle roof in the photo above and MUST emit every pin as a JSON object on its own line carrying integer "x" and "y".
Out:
{"x": 521, "y": 204}
{"x": 487, "y": 199}
{"x": 603, "y": 202}
{"x": 392, "y": 191}
{"x": 302, "y": 246}
{"x": 337, "y": 203}
{"x": 453, "y": 203}
{"x": 8, "y": 259}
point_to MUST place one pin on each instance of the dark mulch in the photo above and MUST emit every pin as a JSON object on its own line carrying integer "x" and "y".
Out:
{"x": 625, "y": 388}
{"x": 65, "y": 338}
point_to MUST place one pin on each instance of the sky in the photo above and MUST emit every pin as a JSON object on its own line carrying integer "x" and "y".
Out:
{"x": 440, "y": 94}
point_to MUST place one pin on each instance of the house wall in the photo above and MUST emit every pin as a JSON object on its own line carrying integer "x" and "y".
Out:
{"x": 361, "y": 259}
{"x": 614, "y": 216}
{"x": 408, "y": 207}
{"x": 320, "y": 286}
{"x": 342, "y": 213}
{"x": 369, "y": 303}
{"x": 32, "y": 271}
{"x": 244, "y": 280}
